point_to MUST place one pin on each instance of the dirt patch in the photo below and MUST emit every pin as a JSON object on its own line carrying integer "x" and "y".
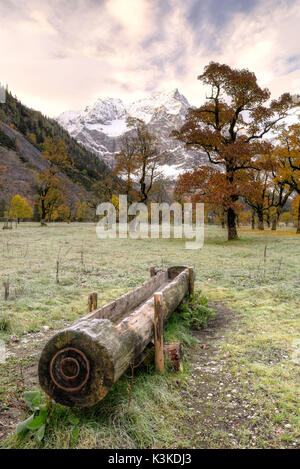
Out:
{"x": 222, "y": 414}
{"x": 18, "y": 374}
{"x": 268, "y": 354}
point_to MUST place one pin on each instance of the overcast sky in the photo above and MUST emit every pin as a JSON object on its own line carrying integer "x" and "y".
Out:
{"x": 58, "y": 55}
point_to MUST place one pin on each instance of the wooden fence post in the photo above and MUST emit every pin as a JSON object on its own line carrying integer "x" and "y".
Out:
{"x": 158, "y": 331}
{"x": 92, "y": 301}
{"x": 191, "y": 281}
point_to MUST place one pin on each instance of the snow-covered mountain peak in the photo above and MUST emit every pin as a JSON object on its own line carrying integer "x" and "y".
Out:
{"x": 172, "y": 102}
{"x": 167, "y": 95}
{"x": 106, "y": 112}
{"x": 100, "y": 126}
{"x": 103, "y": 111}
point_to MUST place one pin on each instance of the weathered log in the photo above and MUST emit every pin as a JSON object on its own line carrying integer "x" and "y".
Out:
{"x": 158, "y": 331}
{"x": 80, "y": 364}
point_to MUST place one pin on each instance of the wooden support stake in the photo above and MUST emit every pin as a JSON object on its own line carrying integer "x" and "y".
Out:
{"x": 92, "y": 301}
{"x": 158, "y": 331}
{"x": 191, "y": 281}
{"x": 152, "y": 271}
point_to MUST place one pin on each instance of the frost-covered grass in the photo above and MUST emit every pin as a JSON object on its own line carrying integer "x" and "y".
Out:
{"x": 233, "y": 271}
{"x": 257, "y": 276}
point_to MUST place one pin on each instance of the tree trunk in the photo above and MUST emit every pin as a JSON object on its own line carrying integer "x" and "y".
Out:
{"x": 80, "y": 364}
{"x": 275, "y": 220}
{"x": 298, "y": 221}
{"x": 231, "y": 224}
{"x": 143, "y": 198}
{"x": 260, "y": 216}
{"x": 223, "y": 219}
{"x": 43, "y": 209}
{"x": 253, "y": 220}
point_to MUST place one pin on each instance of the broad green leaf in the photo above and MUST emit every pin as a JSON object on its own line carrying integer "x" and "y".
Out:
{"x": 32, "y": 399}
{"x": 41, "y": 432}
{"x": 22, "y": 426}
{"x": 37, "y": 422}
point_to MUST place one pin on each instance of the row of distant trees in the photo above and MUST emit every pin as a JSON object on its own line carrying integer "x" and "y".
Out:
{"x": 21, "y": 208}
{"x": 245, "y": 167}
{"x": 248, "y": 177}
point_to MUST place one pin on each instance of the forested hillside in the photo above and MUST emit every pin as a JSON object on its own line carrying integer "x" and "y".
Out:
{"x": 86, "y": 169}
{"x": 20, "y": 165}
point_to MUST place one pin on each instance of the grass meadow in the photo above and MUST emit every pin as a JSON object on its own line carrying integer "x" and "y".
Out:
{"x": 257, "y": 277}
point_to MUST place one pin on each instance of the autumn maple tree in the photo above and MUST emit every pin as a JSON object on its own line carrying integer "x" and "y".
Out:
{"x": 127, "y": 162}
{"x": 139, "y": 157}
{"x": 258, "y": 190}
{"x": 55, "y": 152}
{"x": 288, "y": 154}
{"x": 264, "y": 192}
{"x": 20, "y": 208}
{"x": 230, "y": 129}
{"x": 49, "y": 184}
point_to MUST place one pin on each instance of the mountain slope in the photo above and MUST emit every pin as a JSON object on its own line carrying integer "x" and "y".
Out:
{"x": 100, "y": 127}
{"x": 35, "y": 127}
{"x": 23, "y": 162}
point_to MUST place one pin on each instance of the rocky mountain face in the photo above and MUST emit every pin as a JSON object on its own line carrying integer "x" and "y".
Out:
{"x": 100, "y": 127}
{"x": 23, "y": 162}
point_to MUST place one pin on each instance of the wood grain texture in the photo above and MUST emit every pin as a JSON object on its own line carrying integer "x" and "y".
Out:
{"x": 158, "y": 331}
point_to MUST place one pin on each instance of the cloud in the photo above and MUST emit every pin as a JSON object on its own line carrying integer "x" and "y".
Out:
{"x": 65, "y": 54}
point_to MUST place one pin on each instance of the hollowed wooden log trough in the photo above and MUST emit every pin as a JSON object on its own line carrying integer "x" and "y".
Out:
{"x": 80, "y": 364}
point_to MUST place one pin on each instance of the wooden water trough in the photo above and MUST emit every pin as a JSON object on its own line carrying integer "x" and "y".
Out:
{"x": 80, "y": 364}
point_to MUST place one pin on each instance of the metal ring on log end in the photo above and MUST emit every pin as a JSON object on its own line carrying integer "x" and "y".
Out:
{"x": 74, "y": 368}
{"x": 70, "y": 369}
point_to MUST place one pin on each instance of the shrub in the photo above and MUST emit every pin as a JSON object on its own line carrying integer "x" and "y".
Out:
{"x": 36, "y": 423}
{"x": 195, "y": 311}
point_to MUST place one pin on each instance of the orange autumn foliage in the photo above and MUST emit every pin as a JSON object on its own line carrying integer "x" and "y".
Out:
{"x": 229, "y": 129}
